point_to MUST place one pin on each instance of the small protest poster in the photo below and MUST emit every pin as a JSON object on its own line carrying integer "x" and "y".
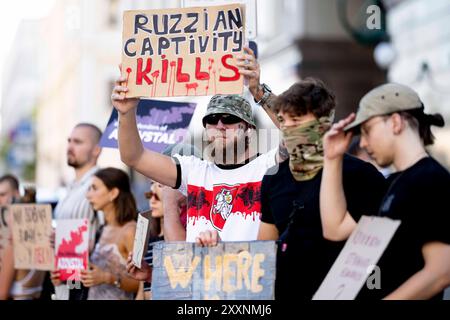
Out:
{"x": 357, "y": 259}
{"x": 183, "y": 51}
{"x": 141, "y": 237}
{"x": 4, "y": 230}
{"x": 160, "y": 124}
{"x": 72, "y": 248}
{"x": 228, "y": 271}
{"x": 31, "y": 229}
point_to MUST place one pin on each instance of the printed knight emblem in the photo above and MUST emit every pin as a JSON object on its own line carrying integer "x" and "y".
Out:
{"x": 221, "y": 208}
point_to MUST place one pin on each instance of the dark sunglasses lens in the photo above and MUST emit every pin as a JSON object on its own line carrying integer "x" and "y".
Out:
{"x": 151, "y": 194}
{"x": 224, "y": 118}
{"x": 212, "y": 119}
{"x": 230, "y": 119}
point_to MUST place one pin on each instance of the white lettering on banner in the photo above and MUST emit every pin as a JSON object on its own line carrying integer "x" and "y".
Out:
{"x": 148, "y": 136}
{"x": 70, "y": 263}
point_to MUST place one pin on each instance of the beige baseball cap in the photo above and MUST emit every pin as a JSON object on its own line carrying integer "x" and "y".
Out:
{"x": 385, "y": 99}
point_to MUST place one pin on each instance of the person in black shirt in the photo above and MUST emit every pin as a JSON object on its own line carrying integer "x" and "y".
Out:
{"x": 395, "y": 130}
{"x": 290, "y": 196}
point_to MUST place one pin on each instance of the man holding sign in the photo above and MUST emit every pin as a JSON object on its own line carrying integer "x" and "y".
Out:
{"x": 395, "y": 130}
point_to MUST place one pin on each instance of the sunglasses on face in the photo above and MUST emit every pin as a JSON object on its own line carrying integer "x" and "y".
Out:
{"x": 152, "y": 194}
{"x": 213, "y": 119}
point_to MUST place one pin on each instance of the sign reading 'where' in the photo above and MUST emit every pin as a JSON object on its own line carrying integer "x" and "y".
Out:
{"x": 229, "y": 271}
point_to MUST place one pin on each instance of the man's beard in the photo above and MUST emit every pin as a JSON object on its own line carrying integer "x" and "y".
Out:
{"x": 227, "y": 152}
{"x": 73, "y": 163}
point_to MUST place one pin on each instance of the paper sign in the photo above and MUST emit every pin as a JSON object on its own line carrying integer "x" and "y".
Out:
{"x": 358, "y": 257}
{"x": 31, "y": 228}
{"x": 250, "y": 12}
{"x": 229, "y": 271}
{"x": 183, "y": 51}
{"x": 141, "y": 237}
{"x": 4, "y": 230}
{"x": 72, "y": 248}
{"x": 160, "y": 124}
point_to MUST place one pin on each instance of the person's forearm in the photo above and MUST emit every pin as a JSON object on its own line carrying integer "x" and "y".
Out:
{"x": 130, "y": 144}
{"x": 333, "y": 205}
{"x": 422, "y": 285}
{"x": 7, "y": 272}
{"x": 126, "y": 283}
{"x": 173, "y": 229}
{"x": 268, "y": 108}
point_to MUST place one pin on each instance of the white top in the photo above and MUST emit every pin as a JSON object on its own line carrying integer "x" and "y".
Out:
{"x": 75, "y": 205}
{"x": 227, "y": 200}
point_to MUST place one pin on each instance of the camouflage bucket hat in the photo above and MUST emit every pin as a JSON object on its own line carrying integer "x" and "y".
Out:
{"x": 230, "y": 104}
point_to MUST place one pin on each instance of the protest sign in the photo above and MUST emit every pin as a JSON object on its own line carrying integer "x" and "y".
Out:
{"x": 160, "y": 124}
{"x": 31, "y": 229}
{"x": 4, "y": 230}
{"x": 183, "y": 51}
{"x": 72, "y": 248}
{"x": 357, "y": 259}
{"x": 141, "y": 237}
{"x": 250, "y": 12}
{"x": 229, "y": 271}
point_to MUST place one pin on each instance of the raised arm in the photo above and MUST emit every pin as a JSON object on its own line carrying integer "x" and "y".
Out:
{"x": 250, "y": 69}
{"x": 151, "y": 164}
{"x": 337, "y": 223}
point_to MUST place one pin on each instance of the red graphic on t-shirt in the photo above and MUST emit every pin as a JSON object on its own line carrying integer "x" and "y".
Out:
{"x": 68, "y": 257}
{"x": 219, "y": 204}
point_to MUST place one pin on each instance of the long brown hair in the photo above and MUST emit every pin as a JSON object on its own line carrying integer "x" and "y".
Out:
{"x": 124, "y": 203}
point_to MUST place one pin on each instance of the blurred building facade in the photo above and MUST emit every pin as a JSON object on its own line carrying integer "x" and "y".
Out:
{"x": 420, "y": 36}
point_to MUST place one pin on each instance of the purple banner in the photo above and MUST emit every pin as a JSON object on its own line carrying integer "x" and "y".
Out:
{"x": 160, "y": 124}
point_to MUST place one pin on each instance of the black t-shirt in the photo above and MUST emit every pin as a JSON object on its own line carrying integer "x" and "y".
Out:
{"x": 419, "y": 197}
{"x": 308, "y": 257}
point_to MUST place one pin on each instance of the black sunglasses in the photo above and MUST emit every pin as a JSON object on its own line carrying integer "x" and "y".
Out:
{"x": 213, "y": 119}
{"x": 151, "y": 194}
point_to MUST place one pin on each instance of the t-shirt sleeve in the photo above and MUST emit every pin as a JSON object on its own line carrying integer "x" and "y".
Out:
{"x": 364, "y": 188}
{"x": 266, "y": 211}
{"x": 184, "y": 167}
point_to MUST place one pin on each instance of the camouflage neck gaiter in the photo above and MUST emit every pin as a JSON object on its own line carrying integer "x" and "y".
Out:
{"x": 305, "y": 147}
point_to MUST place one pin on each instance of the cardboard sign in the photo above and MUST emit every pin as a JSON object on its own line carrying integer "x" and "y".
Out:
{"x": 250, "y": 12}
{"x": 229, "y": 271}
{"x": 31, "y": 229}
{"x": 72, "y": 248}
{"x": 183, "y": 51}
{"x": 141, "y": 237}
{"x": 358, "y": 257}
{"x": 160, "y": 124}
{"x": 4, "y": 230}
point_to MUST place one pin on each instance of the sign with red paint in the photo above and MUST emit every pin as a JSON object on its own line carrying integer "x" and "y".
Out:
{"x": 31, "y": 230}
{"x": 183, "y": 51}
{"x": 72, "y": 248}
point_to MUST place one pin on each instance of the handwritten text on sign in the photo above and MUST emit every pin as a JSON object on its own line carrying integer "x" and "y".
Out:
{"x": 232, "y": 270}
{"x": 32, "y": 227}
{"x": 182, "y": 52}
{"x": 361, "y": 252}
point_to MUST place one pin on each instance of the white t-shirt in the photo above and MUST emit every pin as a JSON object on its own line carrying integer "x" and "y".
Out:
{"x": 228, "y": 200}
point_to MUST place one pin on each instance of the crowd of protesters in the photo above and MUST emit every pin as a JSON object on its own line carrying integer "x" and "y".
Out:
{"x": 307, "y": 194}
